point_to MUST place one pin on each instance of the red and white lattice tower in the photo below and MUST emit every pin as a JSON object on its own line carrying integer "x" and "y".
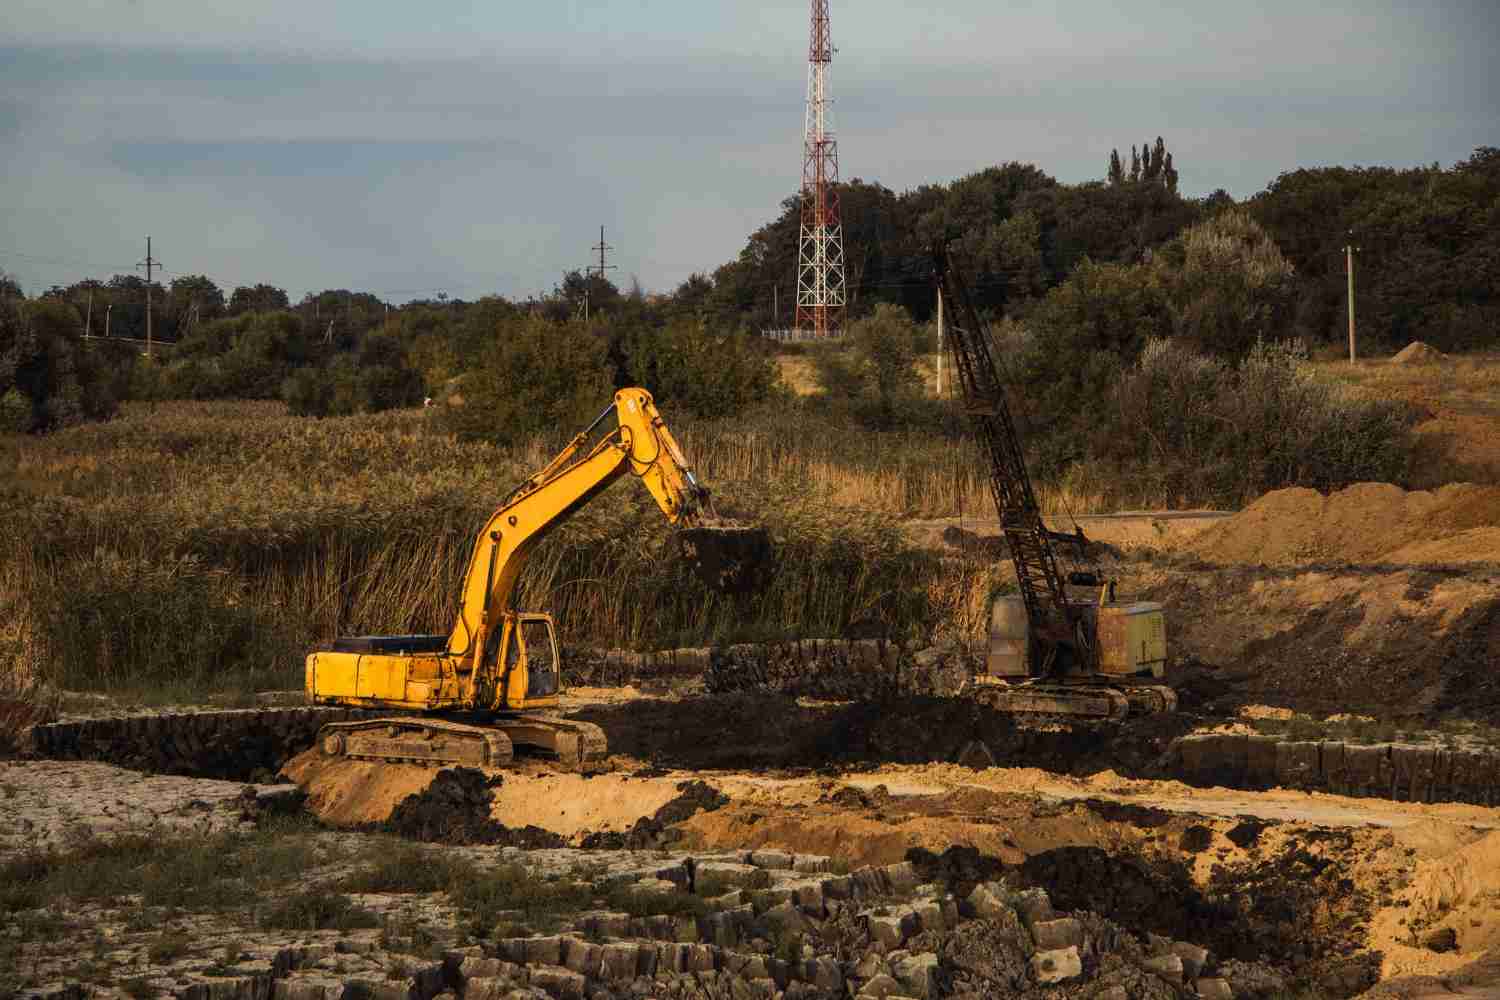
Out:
{"x": 820, "y": 245}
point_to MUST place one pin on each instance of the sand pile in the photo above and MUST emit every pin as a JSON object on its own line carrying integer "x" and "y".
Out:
{"x": 1418, "y": 353}
{"x": 1365, "y": 523}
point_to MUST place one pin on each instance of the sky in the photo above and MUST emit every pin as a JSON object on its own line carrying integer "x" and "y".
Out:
{"x": 472, "y": 148}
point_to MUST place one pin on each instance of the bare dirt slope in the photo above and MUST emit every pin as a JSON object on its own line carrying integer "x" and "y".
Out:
{"x": 1373, "y": 600}
{"x": 1369, "y": 523}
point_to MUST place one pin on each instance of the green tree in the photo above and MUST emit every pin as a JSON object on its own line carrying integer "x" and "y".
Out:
{"x": 1228, "y": 284}
{"x": 685, "y": 367}
{"x": 535, "y": 376}
{"x": 49, "y": 376}
{"x": 1116, "y": 172}
{"x": 257, "y": 298}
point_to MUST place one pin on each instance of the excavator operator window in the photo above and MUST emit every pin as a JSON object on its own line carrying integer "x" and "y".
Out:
{"x": 541, "y": 665}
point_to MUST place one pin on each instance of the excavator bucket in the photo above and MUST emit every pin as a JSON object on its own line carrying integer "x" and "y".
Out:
{"x": 729, "y": 558}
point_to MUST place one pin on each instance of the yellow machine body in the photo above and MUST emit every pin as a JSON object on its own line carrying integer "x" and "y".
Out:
{"x": 527, "y": 679}
{"x": 496, "y": 663}
{"x": 1132, "y": 639}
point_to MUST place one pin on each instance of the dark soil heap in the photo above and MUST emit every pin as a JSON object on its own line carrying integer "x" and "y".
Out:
{"x": 455, "y": 809}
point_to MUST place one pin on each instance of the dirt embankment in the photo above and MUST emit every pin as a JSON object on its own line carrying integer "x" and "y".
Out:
{"x": 1369, "y": 523}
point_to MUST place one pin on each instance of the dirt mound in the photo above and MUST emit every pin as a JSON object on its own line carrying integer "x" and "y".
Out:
{"x": 1413, "y": 644}
{"x": 455, "y": 809}
{"x": 656, "y": 831}
{"x": 1418, "y": 353}
{"x": 1364, "y": 523}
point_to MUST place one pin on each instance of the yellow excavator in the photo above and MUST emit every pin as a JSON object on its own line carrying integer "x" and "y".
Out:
{"x": 494, "y": 682}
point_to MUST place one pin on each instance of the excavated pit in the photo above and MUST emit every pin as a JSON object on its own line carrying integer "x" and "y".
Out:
{"x": 763, "y": 731}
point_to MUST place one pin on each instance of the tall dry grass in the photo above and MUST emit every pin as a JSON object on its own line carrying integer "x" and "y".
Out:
{"x": 195, "y": 546}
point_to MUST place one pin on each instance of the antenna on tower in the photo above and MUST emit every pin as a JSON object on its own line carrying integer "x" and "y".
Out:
{"x": 820, "y": 243}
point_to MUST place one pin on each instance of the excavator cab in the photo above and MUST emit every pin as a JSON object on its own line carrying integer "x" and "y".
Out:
{"x": 531, "y": 675}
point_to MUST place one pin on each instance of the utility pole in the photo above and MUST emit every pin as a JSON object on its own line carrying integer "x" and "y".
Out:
{"x": 940, "y": 342}
{"x": 1349, "y": 250}
{"x": 601, "y": 247}
{"x": 108, "y": 311}
{"x": 150, "y": 262}
{"x": 88, "y": 320}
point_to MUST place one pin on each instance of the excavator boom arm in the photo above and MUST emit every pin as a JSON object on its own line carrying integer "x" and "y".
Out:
{"x": 641, "y": 445}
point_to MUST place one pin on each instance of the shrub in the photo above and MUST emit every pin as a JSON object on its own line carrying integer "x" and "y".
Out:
{"x": 1228, "y": 285}
{"x": 47, "y": 368}
{"x": 877, "y": 372}
{"x": 308, "y": 392}
{"x": 1183, "y": 427}
{"x": 536, "y": 376}
{"x": 687, "y": 369}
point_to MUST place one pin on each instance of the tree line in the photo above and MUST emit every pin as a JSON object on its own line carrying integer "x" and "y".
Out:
{"x": 1089, "y": 272}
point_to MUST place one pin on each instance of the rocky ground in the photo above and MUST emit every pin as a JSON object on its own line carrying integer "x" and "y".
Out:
{"x": 807, "y": 834}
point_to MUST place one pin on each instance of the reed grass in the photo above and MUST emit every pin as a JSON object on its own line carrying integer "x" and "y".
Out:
{"x": 203, "y": 546}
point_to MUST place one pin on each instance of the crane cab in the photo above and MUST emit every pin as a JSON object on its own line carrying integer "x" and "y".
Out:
{"x": 1131, "y": 637}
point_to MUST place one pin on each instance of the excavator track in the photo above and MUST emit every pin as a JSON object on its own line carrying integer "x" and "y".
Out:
{"x": 419, "y": 740}
{"x": 1112, "y": 702}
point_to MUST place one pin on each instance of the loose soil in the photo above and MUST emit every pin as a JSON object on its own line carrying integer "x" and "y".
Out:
{"x": 1366, "y": 523}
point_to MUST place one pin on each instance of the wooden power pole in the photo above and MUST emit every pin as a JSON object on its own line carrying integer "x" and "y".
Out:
{"x": 940, "y": 342}
{"x": 150, "y": 262}
{"x": 1349, "y": 250}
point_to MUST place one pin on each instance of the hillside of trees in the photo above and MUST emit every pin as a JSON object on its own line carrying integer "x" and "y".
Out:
{"x": 1081, "y": 277}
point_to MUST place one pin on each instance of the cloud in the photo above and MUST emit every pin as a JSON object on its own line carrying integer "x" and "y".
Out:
{"x": 383, "y": 147}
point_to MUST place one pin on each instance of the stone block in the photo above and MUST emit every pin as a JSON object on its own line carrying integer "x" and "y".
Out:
{"x": 1298, "y": 765}
{"x": 918, "y": 974}
{"x": 1194, "y": 959}
{"x": 582, "y": 956}
{"x": 988, "y": 900}
{"x": 564, "y": 984}
{"x": 770, "y": 859}
{"x": 646, "y": 958}
{"x": 1260, "y": 761}
{"x": 1413, "y": 767}
{"x": 838, "y": 887}
{"x": 808, "y": 897}
{"x": 478, "y": 967}
{"x": 1209, "y": 989}
{"x": 866, "y": 882}
{"x": 671, "y": 958}
{"x": 685, "y": 929}
{"x": 1034, "y": 906}
{"x": 1168, "y": 967}
{"x": 701, "y": 958}
{"x": 901, "y": 878}
{"x": 543, "y": 950}
{"x": 1062, "y": 932}
{"x": 929, "y": 916}
{"x": 810, "y": 864}
{"x": 1335, "y": 771}
{"x": 1055, "y": 966}
{"x": 512, "y": 949}
{"x": 488, "y": 988}
{"x": 786, "y": 916}
{"x": 1362, "y": 767}
{"x": 824, "y": 973}
{"x": 885, "y": 930}
{"x": 879, "y": 985}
